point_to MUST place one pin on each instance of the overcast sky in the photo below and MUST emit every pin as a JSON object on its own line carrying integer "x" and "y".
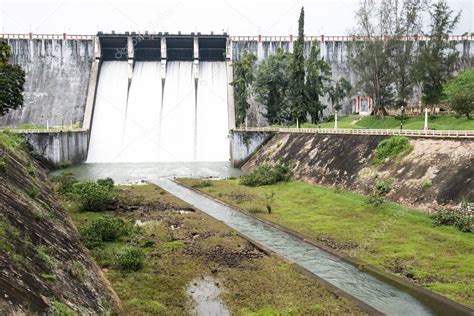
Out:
{"x": 237, "y": 17}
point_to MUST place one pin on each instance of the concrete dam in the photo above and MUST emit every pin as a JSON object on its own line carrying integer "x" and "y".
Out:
{"x": 147, "y": 97}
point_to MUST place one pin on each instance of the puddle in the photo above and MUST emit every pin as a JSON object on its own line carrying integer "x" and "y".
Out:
{"x": 183, "y": 212}
{"x": 205, "y": 294}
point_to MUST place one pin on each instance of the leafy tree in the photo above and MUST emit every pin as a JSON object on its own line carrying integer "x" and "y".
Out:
{"x": 459, "y": 93}
{"x": 12, "y": 79}
{"x": 297, "y": 91}
{"x": 338, "y": 91}
{"x": 438, "y": 58}
{"x": 405, "y": 22}
{"x": 271, "y": 86}
{"x": 369, "y": 58}
{"x": 243, "y": 79}
{"x": 318, "y": 74}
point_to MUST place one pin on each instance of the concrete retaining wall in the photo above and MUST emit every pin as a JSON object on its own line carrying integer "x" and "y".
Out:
{"x": 244, "y": 144}
{"x": 60, "y": 147}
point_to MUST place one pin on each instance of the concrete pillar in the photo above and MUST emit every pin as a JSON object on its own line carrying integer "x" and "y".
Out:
{"x": 91, "y": 91}
{"x": 163, "y": 48}
{"x": 426, "y": 120}
{"x": 230, "y": 88}
{"x": 131, "y": 56}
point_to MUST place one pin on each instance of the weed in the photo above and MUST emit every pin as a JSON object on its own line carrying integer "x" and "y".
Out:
{"x": 129, "y": 259}
{"x": 48, "y": 277}
{"x": 65, "y": 182}
{"x": 383, "y": 187}
{"x": 391, "y": 147}
{"x": 60, "y": 309}
{"x": 33, "y": 193}
{"x": 426, "y": 184}
{"x": 267, "y": 174}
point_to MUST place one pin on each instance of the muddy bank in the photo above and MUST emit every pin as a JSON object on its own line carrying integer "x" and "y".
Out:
{"x": 436, "y": 171}
{"x": 44, "y": 267}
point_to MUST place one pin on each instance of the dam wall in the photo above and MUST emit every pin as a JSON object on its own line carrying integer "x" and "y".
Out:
{"x": 57, "y": 148}
{"x": 244, "y": 144}
{"x": 57, "y": 78}
{"x": 435, "y": 172}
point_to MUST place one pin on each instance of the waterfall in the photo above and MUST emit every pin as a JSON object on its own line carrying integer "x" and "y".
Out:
{"x": 175, "y": 121}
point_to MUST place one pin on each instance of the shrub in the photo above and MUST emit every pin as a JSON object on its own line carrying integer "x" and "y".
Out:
{"x": 33, "y": 193}
{"x": 128, "y": 259}
{"x": 91, "y": 196}
{"x": 267, "y": 174}
{"x": 107, "y": 182}
{"x": 383, "y": 187}
{"x": 64, "y": 164}
{"x": 60, "y": 309}
{"x": 103, "y": 229}
{"x": 3, "y": 164}
{"x": 65, "y": 182}
{"x": 462, "y": 222}
{"x": 426, "y": 184}
{"x": 201, "y": 184}
{"x": 375, "y": 200}
{"x": 391, "y": 147}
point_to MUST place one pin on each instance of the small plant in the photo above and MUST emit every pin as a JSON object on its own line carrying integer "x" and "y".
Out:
{"x": 3, "y": 164}
{"x": 107, "y": 182}
{"x": 91, "y": 196}
{"x": 375, "y": 200}
{"x": 65, "y": 182}
{"x": 78, "y": 271}
{"x": 269, "y": 201}
{"x": 443, "y": 218}
{"x": 33, "y": 193}
{"x": 103, "y": 229}
{"x": 60, "y": 309}
{"x": 267, "y": 174}
{"x": 383, "y": 187}
{"x": 391, "y": 147}
{"x": 201, "y": 184}
{"x": 128, "y": 259}
{"x": 31, "y": 170}
{"x": 426, "y": 184}
{"x": 48, "y": 277}
{"x": 44, "y": 253}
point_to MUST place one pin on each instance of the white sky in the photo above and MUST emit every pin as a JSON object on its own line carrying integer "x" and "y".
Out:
{"x": 237, "y": 17}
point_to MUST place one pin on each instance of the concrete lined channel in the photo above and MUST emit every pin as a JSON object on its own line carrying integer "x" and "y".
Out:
{"x": 376, "y": 293}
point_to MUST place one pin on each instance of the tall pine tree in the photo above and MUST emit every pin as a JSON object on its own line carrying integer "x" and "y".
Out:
{"x": 297, "y": 76}
{"x": 438, "y": 58}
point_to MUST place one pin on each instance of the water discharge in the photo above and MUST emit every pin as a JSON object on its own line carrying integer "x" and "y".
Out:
{"x": 172, "y": 117}
{"x": 374, "y": 292}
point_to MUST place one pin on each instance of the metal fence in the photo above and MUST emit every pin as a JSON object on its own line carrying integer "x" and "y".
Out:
{"x": 44, "y": 130}
{"x": 412, "y": 133}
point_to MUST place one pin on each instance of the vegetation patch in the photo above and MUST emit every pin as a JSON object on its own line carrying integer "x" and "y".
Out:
{"x": 129, "y": 259}
{"x": 104, "y": 229}
{"x": 391, "y": 148}
{"x": 462, "y": 222}
{"x": 268, "y": 174}
{"x": 91, "y": 196}
{"x": 438, "y": 258}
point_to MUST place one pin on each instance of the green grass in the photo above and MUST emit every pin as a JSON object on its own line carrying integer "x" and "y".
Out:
{"x": 390, "y": 237}
{"x": 391, "y": 122}
{"x": 159, "y": 288}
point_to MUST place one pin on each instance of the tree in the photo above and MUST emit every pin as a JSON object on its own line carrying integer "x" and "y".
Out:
{"x": 318, "y": 74}
{"x": 405, "y": 19}
{"x": 438, "y": 57}
{"x": 338, "y": 91}
{"x": 12, "y": 79}
{"x": 459, "y": 93}
{"x": 369, "y": 56}
{"x": 243, "y": 79}
{"x": 271, "y": 86}
{"x": 297, "y": 91}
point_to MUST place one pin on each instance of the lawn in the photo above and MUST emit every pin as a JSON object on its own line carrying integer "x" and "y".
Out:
{"x": 391, "y": 122}
{"x": 182, "y": 247}
{"x": 397, "y": 239}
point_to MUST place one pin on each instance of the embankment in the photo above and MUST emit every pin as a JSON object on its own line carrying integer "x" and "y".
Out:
{"x": 435, "y": 171}
{"x": 44, "y": 267}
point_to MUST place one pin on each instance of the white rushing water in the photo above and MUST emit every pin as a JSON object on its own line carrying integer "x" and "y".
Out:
{"x": 185, "y": 121}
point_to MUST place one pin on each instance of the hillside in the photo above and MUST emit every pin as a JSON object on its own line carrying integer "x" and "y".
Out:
{"x": 44, "y": 267}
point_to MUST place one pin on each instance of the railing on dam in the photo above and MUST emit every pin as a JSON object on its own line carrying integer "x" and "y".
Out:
{"x": 44, "y": 130}
{"x": 345, "y": 131}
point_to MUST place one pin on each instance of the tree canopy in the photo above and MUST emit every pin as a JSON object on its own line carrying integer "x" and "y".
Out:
{"x": 459, "y": 93}
{"x": 12, "y": 79}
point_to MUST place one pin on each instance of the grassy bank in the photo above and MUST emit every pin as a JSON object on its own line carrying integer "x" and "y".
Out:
{"x": 392, "y": 122}
{"x": 396, "y": 239}
{"x": 182, "y": 245}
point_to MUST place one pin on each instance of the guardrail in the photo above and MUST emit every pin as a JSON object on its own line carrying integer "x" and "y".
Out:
{"x": 412, "y": 133}
{"x": 44, "y": 130}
